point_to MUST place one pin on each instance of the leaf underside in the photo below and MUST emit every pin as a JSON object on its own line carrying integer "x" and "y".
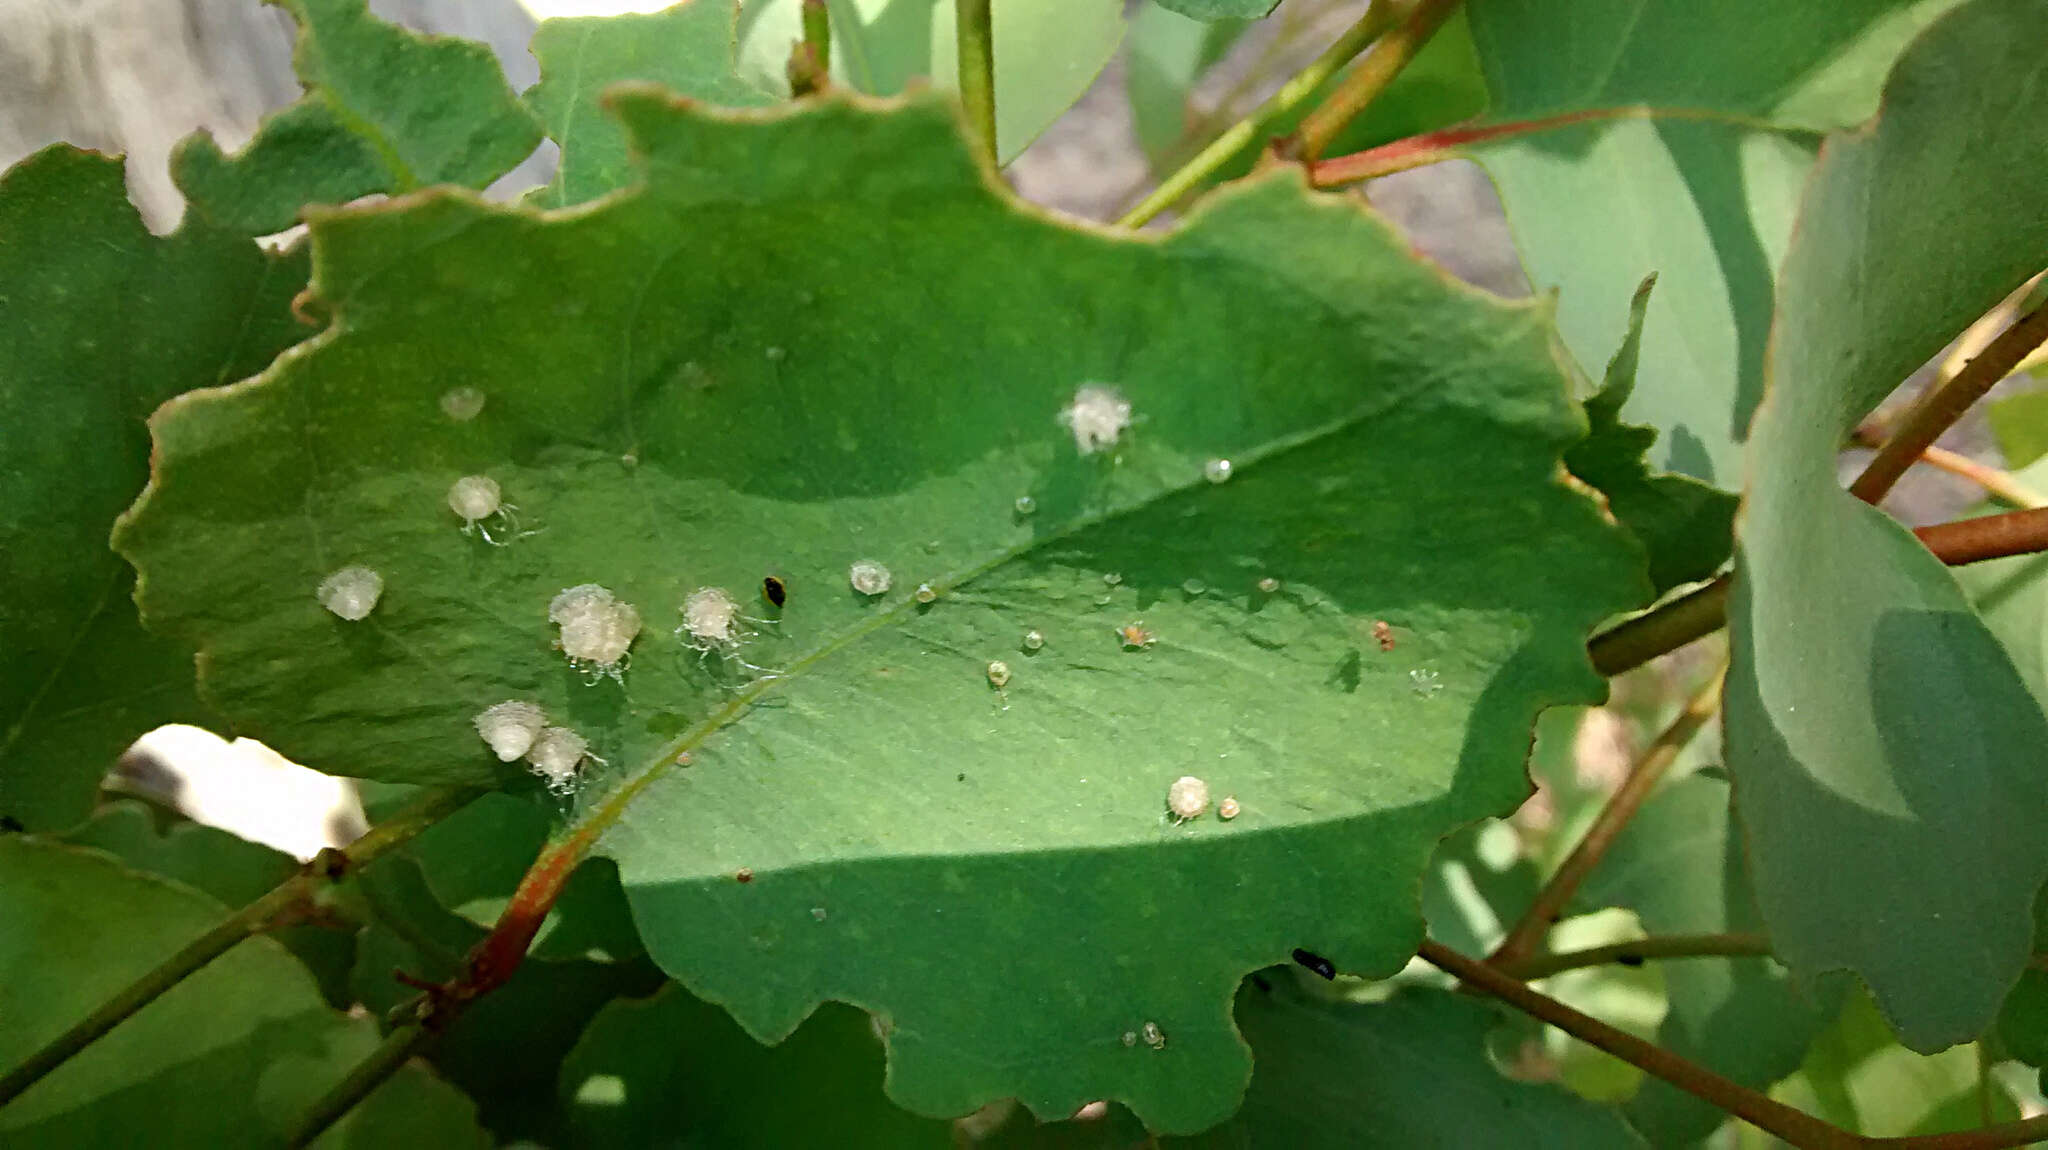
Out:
{"x": 819, "y": 338}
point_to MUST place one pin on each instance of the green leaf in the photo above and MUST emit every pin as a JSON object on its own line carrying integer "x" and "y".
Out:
{"x": 755, "y": 408}
{"x": 1688, "y": 527}
{"x": 229, "y": 1057}
{"x": 1221, "y": 9}
{"x": 385, "y": 110}
{"x": 2011, "y": 596}
{"x": 1047, "y": 53}
{"x": 1885, "y": 753}
{"x": 690, "y": 49}
{"x": 1477, "y": 884}
{"x": 233, "y": 870}
{"x": 1409, "y": 1071}
{"x": 1679, "y": 867}
{"x": 1167, "y": 57}
{"x": 2023, "y": 1020}
{"x": 675, "y": 1070}
{"x": 2020, "y": 423}
{"x": 1662, "y": 136}
{"x": 112, "y": 321}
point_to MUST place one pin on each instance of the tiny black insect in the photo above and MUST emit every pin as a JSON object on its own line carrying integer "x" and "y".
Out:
{"x": 774, "y": 590}
{"x": 1316, "y": 962}
{"x": 1629, "y": 959}
{"x": 10, "y": 824}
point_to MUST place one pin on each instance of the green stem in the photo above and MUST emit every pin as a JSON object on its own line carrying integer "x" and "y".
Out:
{"x": 289, "y": 901}
{"x": 1639, "y": 950}
{"x": 395, "y": 1051}
{"x": 1191, "y": 175}
{"x": 976, "y": 42}
{"x": 1661, "y": 630}
{"x": 1372, "y": 76}
{"x": 818, "y": 34}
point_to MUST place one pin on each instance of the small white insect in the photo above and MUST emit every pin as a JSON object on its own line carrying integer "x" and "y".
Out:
{"x": 1130, "y": 1038}
{"x": 1217, "y": 470}
{"x": 1228, "y": 808}
{"x": 477, "y": 501}
{"x": 510, "y": 727}
{"x": 1033, "y": 640}
{"x": 1424, "y": 682}
{"x": 1269, "y": 585}
{"x": 924, "y": 593}
{"x": 1187, "y": 798}
{"x": 711, "y": 620}
{"x": 556, "y": 754}
{"x": 999, "y": 674}
{"x": 868, "y": 577}
{"x": 462, "y": 404}
{"x": 351, "y": 592}
{"x": 1193, "y": 588}
{"x": 1097, "y": 417}
{"x": 818, "y": 912}
{"x": 1112, "y": 579}
{"x": 597, "y": 629}
{"x": 1026, "y": 505}
{"x": 1153, "y": 1036}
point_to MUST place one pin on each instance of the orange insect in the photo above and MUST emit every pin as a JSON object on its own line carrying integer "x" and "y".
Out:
{"x": 1136, "y": 637}
{"x": 1384, "y": 633}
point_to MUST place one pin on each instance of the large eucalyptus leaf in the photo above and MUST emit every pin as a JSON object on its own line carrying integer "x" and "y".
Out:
{"x": 1886, "y": 755}
{"x": 229, "y": 1057}
{"x": 823, "y": 338}
{"x": 104, "y": 321}
{"x": 1671, "y": 137}
{"x": 385, "y": 110}
{"x": 1679, "y": 867}
{"x": 1047, "y": 52}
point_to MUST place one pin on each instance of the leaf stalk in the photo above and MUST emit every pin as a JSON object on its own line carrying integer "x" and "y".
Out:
{"x": 974, "y": 26}
{"x": 1390, "y": 55}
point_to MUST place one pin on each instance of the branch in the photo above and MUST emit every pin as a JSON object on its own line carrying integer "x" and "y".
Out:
{"x": 974, "y": 27}
{"x": 1372, "y": 76}
{"x": 1756, "y": 1109}
{"x": 1987, "y": 536}
{"x": 2000, "y": 485}
{"x": 1636, "y": 952}
{"x": 1534, "y": 926}
{"x": 1945, "y": 404}
{"x": 395, "y": 1051}
{"x": 1447, "y": 143}
{"x": 1378, "y": 17}
{"x": 292, "y": 900}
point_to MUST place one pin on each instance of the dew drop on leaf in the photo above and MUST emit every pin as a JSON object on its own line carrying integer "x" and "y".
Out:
{"x": 510, "y": 727}
{"x": 352, "y": 592}
{"x": 1216, "y": 470}
{"x": 462, "y": 404}
{"x": 868, "y": 577}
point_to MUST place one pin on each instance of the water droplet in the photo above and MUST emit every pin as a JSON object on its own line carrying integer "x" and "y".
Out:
{"x": 1216, "y": 470}
{"x": 1033, "y": 640}
{"x": 1112, "y": 578}
{"x": 1130, "y": 1038}
{"x": 1269, "y": 585}
{"x": 462, "y": 404}
{"x": 1228, "y": 808}
{"x": 998, "y": 674}
{"x": 1194, "y": 587}
{"x": 1026, "y": 505}
{"x": 1187, "y": 798}
{"x": 351, "y": 592}
{"x": 924, "y": 593}
{"x": 869, "y": 577}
